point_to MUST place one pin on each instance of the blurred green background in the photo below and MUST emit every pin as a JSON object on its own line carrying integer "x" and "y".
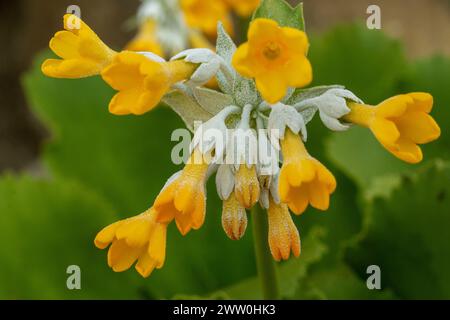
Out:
{"x": 85, "y": 168}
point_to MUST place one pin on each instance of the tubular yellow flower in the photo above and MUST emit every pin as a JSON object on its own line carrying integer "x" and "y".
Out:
{"x": 276, "y": 57}
{"x": 283, "y": 234}
{"x": 82, "y": 52}
{"x": 247, "y": 186}
{"x": 399, "y": 123}
{"x": 303, "y": 180}
{"x": 141, "y": 81}
{"x": 184, "y": 199}
{"x": 244, "y": 8}
{"x": 140, "y": 238}
{"x": 146, "y": 39}
{"x": 204, "y": 15}
{"x": 234, "y": 218}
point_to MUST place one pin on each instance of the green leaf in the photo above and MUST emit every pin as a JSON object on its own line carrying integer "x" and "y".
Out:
{"x": 290, "y": 273}
{"x": 282, "y": 12}
{"x": 366, "y": 62}
{"x": 407, "y": 236}
{"x": 338, "y": 282}
{"x": 46, "y": 226}
{"x": 212, "y": 101}
{"x": 225, "y": 48}
{"x": 187, "y": 108}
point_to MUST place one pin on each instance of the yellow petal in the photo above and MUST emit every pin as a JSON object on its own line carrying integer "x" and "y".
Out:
{"x": 145, "y": 265}
{"x": 106, "y": 235}
{"x": 157, "y": 245}
{"x": 241, "y": 61}
{"x": 272, "y": 87}
{"x": 419, "y": 127}
{"x": 422, "y": 101}
{"x": 385, "y": 131}
{"x": 121, "y": 257}
{"x": 64, "y": 44}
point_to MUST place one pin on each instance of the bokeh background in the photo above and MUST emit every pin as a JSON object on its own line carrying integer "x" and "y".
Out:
{"x": 67, "y": 167}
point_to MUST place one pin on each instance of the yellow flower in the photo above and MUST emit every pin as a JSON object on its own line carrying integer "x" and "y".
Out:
{"x": 303, "y": 180}
{"x": 399, "y": 123}
{"x": 204, "y": 15}
{"x": 247, "y": 186}
{"x": 141, "y": 81}
{"x": 244, "y": 8}
{"x": 276, "y": 57}
{"x": 234, "y": 218}
{"x": 184, "y": 198}
{"x": 146, "y": 39}
{"x": 283, "y": 234}
{"x": 140, "y": 238}
{"x": 82, "y": 52}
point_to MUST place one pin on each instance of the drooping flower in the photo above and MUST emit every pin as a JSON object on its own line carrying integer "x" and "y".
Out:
{"x": 399, "y": 123}
{"x": 204, "y": 15}
{"x": 234, "y": 217}
{"x": 140, "y": 238}
{"x": 184, "y": 198}
{"x": 142, "y": 80}
{"x": 146, "y": 39}
{"x": 283, "y": 234}
{"x": 275, "y": 57}
{"x": 303, "y": 180}
{"x": 82, "y": 52}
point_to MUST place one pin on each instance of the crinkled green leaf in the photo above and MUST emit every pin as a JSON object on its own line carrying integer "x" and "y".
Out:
{"x": 225, "y": 48}
{"x": 282, "y": 12}
{"x": 46, "y": 226}
{"x": 407, "y": 236}
{"x": 290, "y": 273}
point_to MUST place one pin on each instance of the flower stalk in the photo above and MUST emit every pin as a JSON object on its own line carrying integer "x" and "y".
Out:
{"x": 265, "y": 264}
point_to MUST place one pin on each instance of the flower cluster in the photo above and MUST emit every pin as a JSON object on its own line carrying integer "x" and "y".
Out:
{"x": 259, "y": 118}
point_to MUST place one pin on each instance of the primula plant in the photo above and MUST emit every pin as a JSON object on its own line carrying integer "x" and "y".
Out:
{"x": 258, "y": 113}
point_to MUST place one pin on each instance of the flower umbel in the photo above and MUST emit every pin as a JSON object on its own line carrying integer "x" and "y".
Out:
{"x": 259, "y": 113}
{"x": 399, "y": 123}
{"x": 275, "y": 57}
{"x": 82, "y": 52}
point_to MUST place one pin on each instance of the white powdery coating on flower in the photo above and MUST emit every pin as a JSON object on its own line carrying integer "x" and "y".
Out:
{"x": 172, "y": 178}
{"x": 152, "y": 56}
{"x": 242, "y": 146}
{"x": 267, "y": 155}
{"x": 281, "y": 117}
{"x": 213, "y": 134}
{"x": 224, "y": 181}
{"x": 269, "y": 188}
{"x": 171, "y": 31}
{"x": 332, "y": 106}
{"x": 210, "y": 64}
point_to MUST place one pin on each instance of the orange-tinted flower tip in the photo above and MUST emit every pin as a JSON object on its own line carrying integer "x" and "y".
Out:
{"x": 283, "y": 234}
{"x": 234, "y": 218}
{"x": 247, "y": 187}
{"x": 184, "y": 199}
{"x": 139, "y": 238}
{"x": 303, "y": 180}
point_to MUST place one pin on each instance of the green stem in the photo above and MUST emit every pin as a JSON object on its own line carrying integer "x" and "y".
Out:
{"x": 264, "y": 261}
